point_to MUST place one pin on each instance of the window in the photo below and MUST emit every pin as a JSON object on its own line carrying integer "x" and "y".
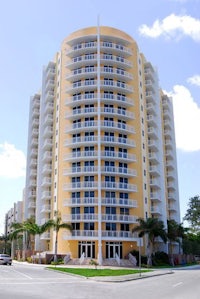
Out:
{"x": 89, "y": 194}
{"x": 89, "y": 81}
{"x": 109, "y": 108}
{"x": 89, "y": 56}
{"x": 76, "y": 152}
{"x": 76, "y": 83}
{"x": 76, "y": 137}
{"x": 89, "y": 108}
{"x": 89, "y": 94}
{"x": 76, "y": 194}
{"x": 89, "y": 68}
{"x": 76, "y": 226}
{"x": 121, "y": 124}
{"x": 122, "y": 138}
{"x": 89, "y": 226}
{"x": 109, "y": 166}
{"x": 109, "y": 136}
{"x": 110, "y": 194}
{"x": 89, "y": 121}
{"x": 76, "y": 166}
{"x": 108, "y": 81}
{"x": 110, "y": 210}
{"x": 121, "y": 97}
{"x": 107, "y": 56}
{"x": 77, "y": 71}
{"x": 124, "y": 227}
{"x": 120, "y": 71}
{"x": 111, "y": 226}
{"x": 124, "y": 211}
{"x": 107, "y": 44}
{"x": 108, "y": 95}
{"x": 75, "y": 210}
{"x": 122, "y": 153}
{"x": 89, "y": 44}
{"x": 121, "y": 110}
{"x": 88, "y": 210}
{"x": 76, "y": 96}
{"x": 108, "y": 69}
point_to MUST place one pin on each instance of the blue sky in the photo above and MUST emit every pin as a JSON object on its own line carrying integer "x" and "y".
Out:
{"x": 31, "y": 31}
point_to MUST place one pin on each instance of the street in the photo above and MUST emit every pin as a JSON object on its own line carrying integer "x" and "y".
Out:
{"x": 33, "y": 281}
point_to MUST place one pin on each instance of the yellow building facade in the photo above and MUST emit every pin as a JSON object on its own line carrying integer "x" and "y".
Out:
{"x": 101, "y": 146}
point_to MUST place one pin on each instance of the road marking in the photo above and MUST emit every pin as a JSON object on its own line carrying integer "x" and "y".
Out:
{"x": 177, "y": 284}
{"x": 22, "y": 274}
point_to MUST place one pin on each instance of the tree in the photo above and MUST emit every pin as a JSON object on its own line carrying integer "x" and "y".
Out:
{"x": 175, "y": 231}
{"x": 193, "y": 213}
{"x": 57, "y": 225}
{"x": 31, "y": 228}
{"x": 152, "y": 227}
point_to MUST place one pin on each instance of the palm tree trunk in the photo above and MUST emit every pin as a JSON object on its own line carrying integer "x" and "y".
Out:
{"x": 56, "y": 248}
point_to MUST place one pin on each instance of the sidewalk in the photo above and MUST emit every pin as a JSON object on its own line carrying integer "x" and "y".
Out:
{"x": 122, "y": 278}
{"x": 129, "y": 277}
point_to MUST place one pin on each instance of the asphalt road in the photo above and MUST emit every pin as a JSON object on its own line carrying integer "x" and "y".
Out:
{"x": 32, "y": 281}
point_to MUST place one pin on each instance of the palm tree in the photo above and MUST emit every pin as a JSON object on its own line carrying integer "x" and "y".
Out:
{"x": 152, "y": 227}
{"x": 175, "y": 231}
{"x": 57, "y": 224}
{"x": 31, "y": 228}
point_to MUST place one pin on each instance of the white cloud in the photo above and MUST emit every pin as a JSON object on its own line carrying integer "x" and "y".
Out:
{"x": 194, "y": 80}
{"x": 12, "y": 161}
{"x": 173, "y": 27}
{"x": 187, "y": 119}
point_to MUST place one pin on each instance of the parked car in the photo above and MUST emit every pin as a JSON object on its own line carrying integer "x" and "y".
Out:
{"x": 5, "y": 259}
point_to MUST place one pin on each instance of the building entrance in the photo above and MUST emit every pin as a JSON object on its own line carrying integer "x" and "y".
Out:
{"x": 86, "y": 247}
{"x": 113, "y": 248}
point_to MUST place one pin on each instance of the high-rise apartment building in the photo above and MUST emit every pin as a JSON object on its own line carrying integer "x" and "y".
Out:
{"x": 101, "y": 146}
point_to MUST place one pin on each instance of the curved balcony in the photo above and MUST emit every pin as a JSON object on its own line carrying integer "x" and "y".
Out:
{"x": 154, "y": 170}
{"x": 48, "y": 143}
{"x": 82, "y": 141}
{"x": 105, "y": 98}
{"x": 80, "y": 170}
{"x": 152, "y": 121}
{"x": 46, "y": 195}
{"x": 80, "y": 217}
{"x": 49, "y": 97}
{"x": 116, "y": 86}
{"x": 117, "y": 235}
{"x": 122, "y": 142}
{"x": 115, "y": 60}
{"x": 155, "y": 196}
{"x": 82, "y": 126}
{"x": 153, "y": 157}
{"x": 81, "y": 60}
{"x": 82, "y": 201}
{"x": 82, "y": 48}
{"x": 123, "y": 202}
{"x": 115, "y": 73}
{"x": 123, "y": 114}
{"x": 150, "y": 97}
{"x": 119, "y": 218}
{"x": 156, "y": 211}
{"x": 119, "y": 156}
{"x": 116, "y": 48}
{"x": 119, "y": 186}
{"x": 153, "y": 145}
{"x": 122, "y": 171}
{"x": 82, "y": 86}
{"x": 117, "y": 126}
{"x": 77, "y": 113}
{"x": 80, "y": 185}
{"x": 82, "y": 155}
{"x": 154, "y": 183}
